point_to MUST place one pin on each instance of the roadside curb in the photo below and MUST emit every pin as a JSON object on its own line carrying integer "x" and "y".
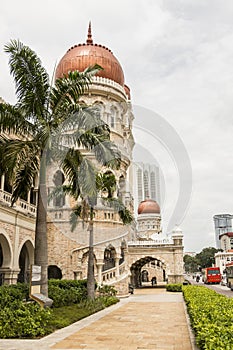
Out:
{"x": 191, "y": 332}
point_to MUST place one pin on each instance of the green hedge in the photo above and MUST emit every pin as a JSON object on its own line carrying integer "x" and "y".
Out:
{"x": 211, "y": 317}
{"x": 175, "y": 287}
{"x": 20, "y": 318}
{"x": 23, "y": 320}
{"x": 67, "y": 292}
{"x": 10, "y": 293}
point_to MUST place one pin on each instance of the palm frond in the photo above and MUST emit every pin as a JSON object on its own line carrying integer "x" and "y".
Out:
{"x": 80, "y": 211}
{"x": 14, "y": 121}
{"x": 124, "y": 213}
{"x": 106, "y": 182}
{"x": 21, "y": 162}
{"x": 68, "y": 89}
{"x": 108, "y": 154}
{"x": 74, "y": 218}
{"x": 87, "y": 181}
{"x": 31, "y": 79}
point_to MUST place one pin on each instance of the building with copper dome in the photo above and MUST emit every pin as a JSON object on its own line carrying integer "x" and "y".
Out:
{"x": 121, "y": 252}
{"x": 111, "y": 96}
{"x": 148, "y": 220}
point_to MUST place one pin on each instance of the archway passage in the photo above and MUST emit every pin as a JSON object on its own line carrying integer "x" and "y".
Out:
{"x": 1, "y": 261}
{"x": 5, "y": 257}
{"x": 23, "y": 275}
{"x": 26, "y": 258}
{"x": 147, "y": 269}
{"x": 145, "y": 277}
{"x": 54, "y": 272}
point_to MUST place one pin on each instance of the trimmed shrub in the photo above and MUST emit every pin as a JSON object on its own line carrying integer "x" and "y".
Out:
{"x": 67, "y": 292}
{"x": 20, "y": 320}
{"x": 10, "y": 293}
{"x": 211, "y": 317}
{"x": 176, "y": 287}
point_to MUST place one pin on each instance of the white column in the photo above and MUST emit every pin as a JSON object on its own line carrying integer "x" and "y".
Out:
{"x": 99, "y": 272}
{"x": 2, "y": 182}
{"x": 28, "y": 199}
{"x": 117, "y": 259}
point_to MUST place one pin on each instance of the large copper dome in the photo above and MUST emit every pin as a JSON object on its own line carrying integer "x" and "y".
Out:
{"x": 148, "y": 206}
{"x": 81, "y": 56}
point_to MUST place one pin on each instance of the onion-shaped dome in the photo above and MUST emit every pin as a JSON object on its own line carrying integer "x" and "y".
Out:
{"x": 81, "y": 56}
{"x": 148, "y": 206}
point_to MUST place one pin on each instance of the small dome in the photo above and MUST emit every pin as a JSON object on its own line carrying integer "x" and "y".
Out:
{"x": 148, "y": 206}
{"x": 177, "y": 230}
{"x": 81, "y": 56}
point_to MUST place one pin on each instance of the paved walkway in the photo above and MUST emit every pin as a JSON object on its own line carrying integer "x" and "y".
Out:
{"x": 149, "y": 319}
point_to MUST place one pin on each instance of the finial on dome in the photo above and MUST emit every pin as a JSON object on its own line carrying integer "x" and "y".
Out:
{"x": 89, "y": 35}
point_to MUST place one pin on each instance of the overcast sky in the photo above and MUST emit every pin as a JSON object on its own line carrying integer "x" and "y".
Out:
{"x": 177, "y": 57}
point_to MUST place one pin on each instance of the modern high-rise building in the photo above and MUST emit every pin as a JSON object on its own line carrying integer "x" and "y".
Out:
{"x": 146, "y": 183}
{"x": 223, "y": 224}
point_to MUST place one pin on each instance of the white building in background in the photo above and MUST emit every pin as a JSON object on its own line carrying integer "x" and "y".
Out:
{"x": 226, "y": 256}
{"x": 146, "y": 183}
{"x": 222, "y": 224}
{"x": 222, "y": 259}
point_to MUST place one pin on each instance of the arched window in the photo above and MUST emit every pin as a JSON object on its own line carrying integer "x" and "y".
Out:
{"x": 109, "y": 258}
{"x": 108, "y": 184}
{"x": 113, "y": 117}
{"x": 54, "y": 272}
{"x": 121, "y": 186}
{"x": 1, "y": 261}
{"x": 1, "y": 255}
{"x": 145, "y": 275}
{"x": 24, "y": 264}
{"x": 58, "y": 180}
{"x": 123, "y": 248}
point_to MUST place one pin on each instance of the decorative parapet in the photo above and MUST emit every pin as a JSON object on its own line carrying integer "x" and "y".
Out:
{"x": 156, "y": 242}
{"x": 105, "y": 81}
{"x": 20, "y": 205}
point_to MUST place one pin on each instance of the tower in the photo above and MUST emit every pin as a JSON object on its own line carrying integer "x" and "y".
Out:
{"x": 146, "y": 183}
{"x": 109, "y": 94}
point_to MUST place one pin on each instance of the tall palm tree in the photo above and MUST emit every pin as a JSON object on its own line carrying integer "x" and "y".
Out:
{"x": 33, "y": 130}
{"x": 88, "y": 192}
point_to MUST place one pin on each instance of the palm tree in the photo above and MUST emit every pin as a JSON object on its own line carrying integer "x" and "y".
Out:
{"x": 33, "y": 130}
{"x": 88, "y": 191}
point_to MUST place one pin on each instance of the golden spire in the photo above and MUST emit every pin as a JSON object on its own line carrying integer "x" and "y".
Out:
{"x": 89, "y": 35}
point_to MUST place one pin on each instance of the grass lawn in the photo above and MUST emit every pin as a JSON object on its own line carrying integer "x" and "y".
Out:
{"x": 66, "y": 315}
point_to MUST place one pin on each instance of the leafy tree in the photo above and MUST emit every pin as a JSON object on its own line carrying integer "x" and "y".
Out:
{"x": 206, "y": 257}
{"x": 191, "y": 263}
{"x": 32, "y": 133}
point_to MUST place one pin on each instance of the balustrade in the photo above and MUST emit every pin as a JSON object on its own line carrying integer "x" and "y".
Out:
{"x": 20, "y": 205}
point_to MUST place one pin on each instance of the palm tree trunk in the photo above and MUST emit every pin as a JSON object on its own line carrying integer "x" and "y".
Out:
{"x": 90, "y": 268}
{"x": 41, "y": 244}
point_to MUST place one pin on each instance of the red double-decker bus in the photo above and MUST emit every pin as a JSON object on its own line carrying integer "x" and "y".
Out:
{"x": 212, "y": 275}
